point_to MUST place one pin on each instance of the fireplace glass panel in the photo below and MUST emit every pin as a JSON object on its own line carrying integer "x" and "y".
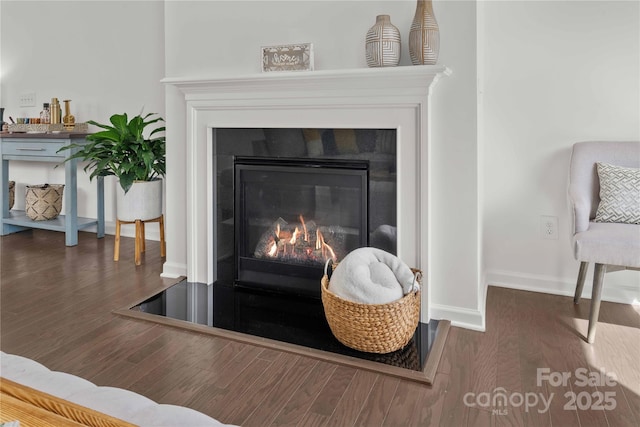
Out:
{"x": 292, "y": 215}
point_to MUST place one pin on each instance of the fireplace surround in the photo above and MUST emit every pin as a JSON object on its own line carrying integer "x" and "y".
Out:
{"x": 391, "y": 98}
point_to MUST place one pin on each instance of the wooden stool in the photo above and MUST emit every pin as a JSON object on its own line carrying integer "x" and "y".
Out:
{"x": 140, "y": 239}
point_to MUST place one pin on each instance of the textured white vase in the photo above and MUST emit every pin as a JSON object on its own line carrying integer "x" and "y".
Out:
{"x": 424, "y": 36}
{"x": 143, "y": 201}
{"x": 382, "y": 46}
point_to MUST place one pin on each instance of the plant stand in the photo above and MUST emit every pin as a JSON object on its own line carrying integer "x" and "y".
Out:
{"x": 140, "y": 238}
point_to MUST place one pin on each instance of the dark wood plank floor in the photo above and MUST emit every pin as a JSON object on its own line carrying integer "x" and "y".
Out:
{"x": 56, "y": 307}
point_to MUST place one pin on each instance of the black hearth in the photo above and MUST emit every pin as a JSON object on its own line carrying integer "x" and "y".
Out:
{"x": 292, "y": 215}
{"x": 283, "y": 317}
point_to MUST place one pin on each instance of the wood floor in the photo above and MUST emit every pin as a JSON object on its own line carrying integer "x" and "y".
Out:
{"x": 57, "y": 303}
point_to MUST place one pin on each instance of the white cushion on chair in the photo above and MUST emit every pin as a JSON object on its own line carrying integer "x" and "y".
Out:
{"x": 609, "y": 243}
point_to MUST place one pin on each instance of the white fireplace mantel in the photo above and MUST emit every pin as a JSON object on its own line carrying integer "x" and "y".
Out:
{"x": 390, "y": 98}
{"x": 393, "y": 81}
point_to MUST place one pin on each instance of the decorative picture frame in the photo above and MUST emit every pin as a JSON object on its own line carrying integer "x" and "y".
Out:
{"x": 289, "y": 57}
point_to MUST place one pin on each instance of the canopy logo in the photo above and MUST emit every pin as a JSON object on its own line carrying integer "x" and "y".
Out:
{"x": 499, "y": 400}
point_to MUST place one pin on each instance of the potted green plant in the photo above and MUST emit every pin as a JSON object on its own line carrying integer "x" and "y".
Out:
{"x": 138, "y": 161}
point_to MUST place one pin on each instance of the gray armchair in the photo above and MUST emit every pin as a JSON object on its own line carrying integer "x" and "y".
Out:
{"x": 610, "y": 245}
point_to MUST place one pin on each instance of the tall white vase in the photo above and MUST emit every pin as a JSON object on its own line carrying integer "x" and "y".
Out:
{"x": 424, "y": 36}
{"x": 382, "y": 44}
{"x": 143, "y": 201}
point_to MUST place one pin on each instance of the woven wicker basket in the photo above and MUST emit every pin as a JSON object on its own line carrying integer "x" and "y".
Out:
{"x": 372, "y": 328}
{"x": 12, "y": 193}
{"x": 43, "y": 202}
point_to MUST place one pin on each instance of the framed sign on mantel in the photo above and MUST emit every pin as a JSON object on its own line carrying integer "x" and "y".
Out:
{"x": 290, "y": 57}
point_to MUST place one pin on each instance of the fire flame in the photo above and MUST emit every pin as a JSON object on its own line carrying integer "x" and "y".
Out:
{"x": 333, "y": 254}
{"x": 297, "y": 245}
{"x": 274, "y": 250}
{"x": 322, "y": 245}
{"x": 294, "y": 237}
{"x": 304, "y": 227}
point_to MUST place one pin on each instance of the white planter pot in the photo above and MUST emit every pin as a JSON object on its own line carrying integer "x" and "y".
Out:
{"x": 143, "y": 201}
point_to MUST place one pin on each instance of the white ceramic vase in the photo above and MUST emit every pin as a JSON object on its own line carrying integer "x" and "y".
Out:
{"x": 382, "y": 46}
{"x": 143, "y": 201}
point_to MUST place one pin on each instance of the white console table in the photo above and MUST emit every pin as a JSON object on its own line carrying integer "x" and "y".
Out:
{"x": 43, "y": 147}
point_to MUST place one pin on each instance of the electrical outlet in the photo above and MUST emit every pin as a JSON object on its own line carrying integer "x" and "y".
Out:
{"x": 28, "y": 99}
{"x": 549, "y": 227}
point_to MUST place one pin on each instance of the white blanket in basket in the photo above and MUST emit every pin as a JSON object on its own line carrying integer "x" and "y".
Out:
{"x": 372, "y": 276}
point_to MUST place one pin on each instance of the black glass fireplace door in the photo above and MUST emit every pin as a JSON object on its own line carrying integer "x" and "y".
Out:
{"x": 292, "y": 215}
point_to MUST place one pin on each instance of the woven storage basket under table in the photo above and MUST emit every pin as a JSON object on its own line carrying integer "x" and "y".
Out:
{"x": 372, "y": 328}
{"x": 43, "y": 202}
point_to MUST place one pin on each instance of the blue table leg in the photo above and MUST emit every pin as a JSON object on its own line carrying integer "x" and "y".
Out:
{"x": 71, "y": 202}
{"x": 4, "y": 192}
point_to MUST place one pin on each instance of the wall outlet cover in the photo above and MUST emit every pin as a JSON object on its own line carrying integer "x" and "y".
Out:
{"x": 549, "y": 227}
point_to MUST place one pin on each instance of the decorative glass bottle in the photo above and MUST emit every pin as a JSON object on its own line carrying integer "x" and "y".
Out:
{"x": 68, "y": 120}
{"x": 45, "y": 116}
{"x": 382, "y": 45}
{"x": 424, "y": 36}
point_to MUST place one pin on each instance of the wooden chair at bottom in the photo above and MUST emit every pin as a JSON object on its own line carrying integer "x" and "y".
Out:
{"x": 140, "y": 238}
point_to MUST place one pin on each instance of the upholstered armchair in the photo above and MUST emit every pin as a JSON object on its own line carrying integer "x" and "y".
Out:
{"x": 604, "y": 193}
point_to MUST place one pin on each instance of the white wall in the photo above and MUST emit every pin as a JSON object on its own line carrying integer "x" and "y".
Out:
{"x": 106, "y": 56}
{"x": 223, "y": 38}
{"x": 555, "y": 73}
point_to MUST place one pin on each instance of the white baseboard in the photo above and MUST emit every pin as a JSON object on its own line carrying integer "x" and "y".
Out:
{"x": 557, "y": 286}
{"x": 151, "y": 231}
{"x": 461, "y": 317}
{"x": 173, "y": 270}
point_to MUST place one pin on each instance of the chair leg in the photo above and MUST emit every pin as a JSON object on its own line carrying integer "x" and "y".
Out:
{"x": 116, "y": 247}
{"x": 138, "y": 242}
{"x": 598, "y": 279}
{"x": 582, "y": 274}
{"x": 163, "y": 245}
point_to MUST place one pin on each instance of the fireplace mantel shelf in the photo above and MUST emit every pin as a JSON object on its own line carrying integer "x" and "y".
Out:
{"x": 355, "y": 79}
